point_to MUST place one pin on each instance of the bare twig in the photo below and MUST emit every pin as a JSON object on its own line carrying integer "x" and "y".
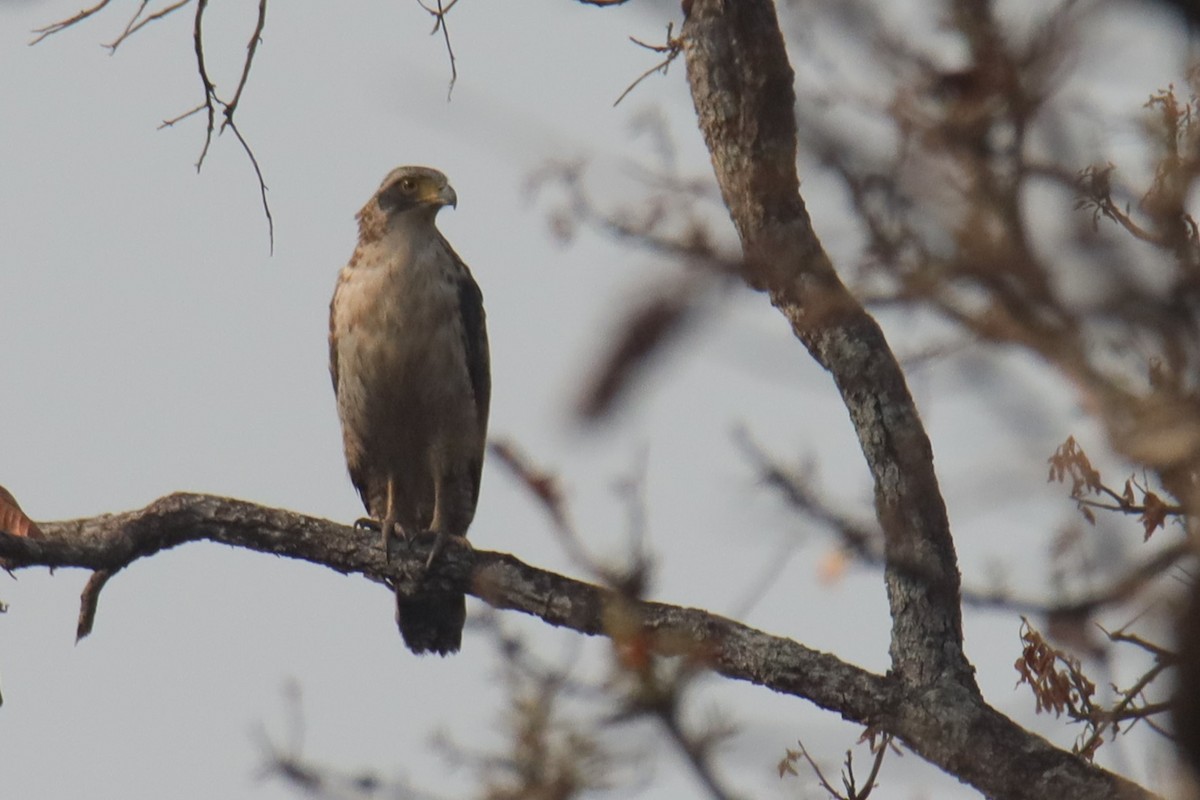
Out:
{"x": 821, "y": 779}
{"x": 62, "y": 25}
{"x": 229, "y": 108}
{"x": 1102, "y": 720}
{"x": 696, "y": 754}
{"x": 673, "y": 47}
{"x": 132, "y": 25}
{"x": 439, "y": 23}
{"x": 210, "y": 90}
{"x": 138, "y": 20}
{"x": 136, "y": 25}
{"x": 863, "y": 542}
{"x": 654, "y": 689}
{"x": 128, "y": 26}
{"x": 251, "y": 48}
{"x": 1168, "y": 657}
{"x": 167, "y": 123}
{"x": 758, "y": 587}
{"x": 262, "y": 186}
{"x": 633, "y": 491}
{"x": 1119, "y": 590}
{"x": 880, "y": 751}
{"x": 89, "y": 600}
{"x": 693, "y": 248}
{"x": 849, "y": 782}
{"x": 543, "y": 487}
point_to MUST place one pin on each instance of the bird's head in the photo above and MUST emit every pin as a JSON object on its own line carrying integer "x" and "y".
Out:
{"x": 415, "y": 188}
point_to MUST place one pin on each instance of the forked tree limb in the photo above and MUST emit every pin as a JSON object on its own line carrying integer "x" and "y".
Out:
{"x": 945, "y": 724}
{"x": 742, "y": 86}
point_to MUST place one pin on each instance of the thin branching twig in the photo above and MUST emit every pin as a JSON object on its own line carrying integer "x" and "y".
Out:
{"x": 439, "y": 24}
{"x": 138, "y": 20}
{"x": 672, "y": 47}
{"x": 63, "y": 24}
{"x": 136, "y": 24}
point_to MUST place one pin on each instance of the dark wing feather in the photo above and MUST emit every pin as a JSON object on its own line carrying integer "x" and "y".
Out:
{"x": 475, "y": 344}
{"x": 470, "y": 303}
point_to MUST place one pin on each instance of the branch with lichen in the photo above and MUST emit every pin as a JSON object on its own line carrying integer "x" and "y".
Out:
{"x": 929, "y": 720}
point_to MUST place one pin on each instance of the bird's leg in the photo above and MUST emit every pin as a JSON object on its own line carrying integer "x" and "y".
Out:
{"x": 439, "y": 522}
{"x": 388, "y": 524}
{"x": 439, "y": 542}
{"x": 440, "y": 525}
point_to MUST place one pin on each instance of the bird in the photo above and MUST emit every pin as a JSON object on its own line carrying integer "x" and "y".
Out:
{"x": 409, "y": 358}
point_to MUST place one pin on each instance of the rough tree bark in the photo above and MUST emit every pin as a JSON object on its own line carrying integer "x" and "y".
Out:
{"x": 742, "y": 87}
{"x": 741, "y": 84}
{"x": 950, "y": 727}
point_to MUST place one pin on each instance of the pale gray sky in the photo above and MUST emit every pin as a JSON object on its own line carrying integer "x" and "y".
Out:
{"x": 150, "y": 344}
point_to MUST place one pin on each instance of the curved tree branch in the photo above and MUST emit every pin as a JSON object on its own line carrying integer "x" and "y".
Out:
{"x": 944, "y": 723}
{"x": 741, "y": 84}
{"x": 742, "y": 87}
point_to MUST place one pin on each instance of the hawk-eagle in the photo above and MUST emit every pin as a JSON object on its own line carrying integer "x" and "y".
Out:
{"x": 408, "y": 353}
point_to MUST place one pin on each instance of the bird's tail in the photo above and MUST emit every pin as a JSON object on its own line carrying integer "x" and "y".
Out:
{"x": 432, "y": 623}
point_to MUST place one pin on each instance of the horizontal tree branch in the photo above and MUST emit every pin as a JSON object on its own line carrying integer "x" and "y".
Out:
{"x": 945, "y": 724}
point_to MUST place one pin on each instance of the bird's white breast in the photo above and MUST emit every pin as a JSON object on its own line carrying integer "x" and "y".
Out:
{"x": 401, "y": 362}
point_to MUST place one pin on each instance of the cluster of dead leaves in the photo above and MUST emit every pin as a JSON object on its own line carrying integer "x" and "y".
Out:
{"x": 1056, "y": 677}
{"x": 13, "y": 520}
{"x": 1070, "y": 463}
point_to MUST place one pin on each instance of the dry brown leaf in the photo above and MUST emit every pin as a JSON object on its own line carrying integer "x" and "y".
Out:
{"x": 1155, "y": 514}
{"x": 13, "y": 520}
{"x": 832, "y": 566}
